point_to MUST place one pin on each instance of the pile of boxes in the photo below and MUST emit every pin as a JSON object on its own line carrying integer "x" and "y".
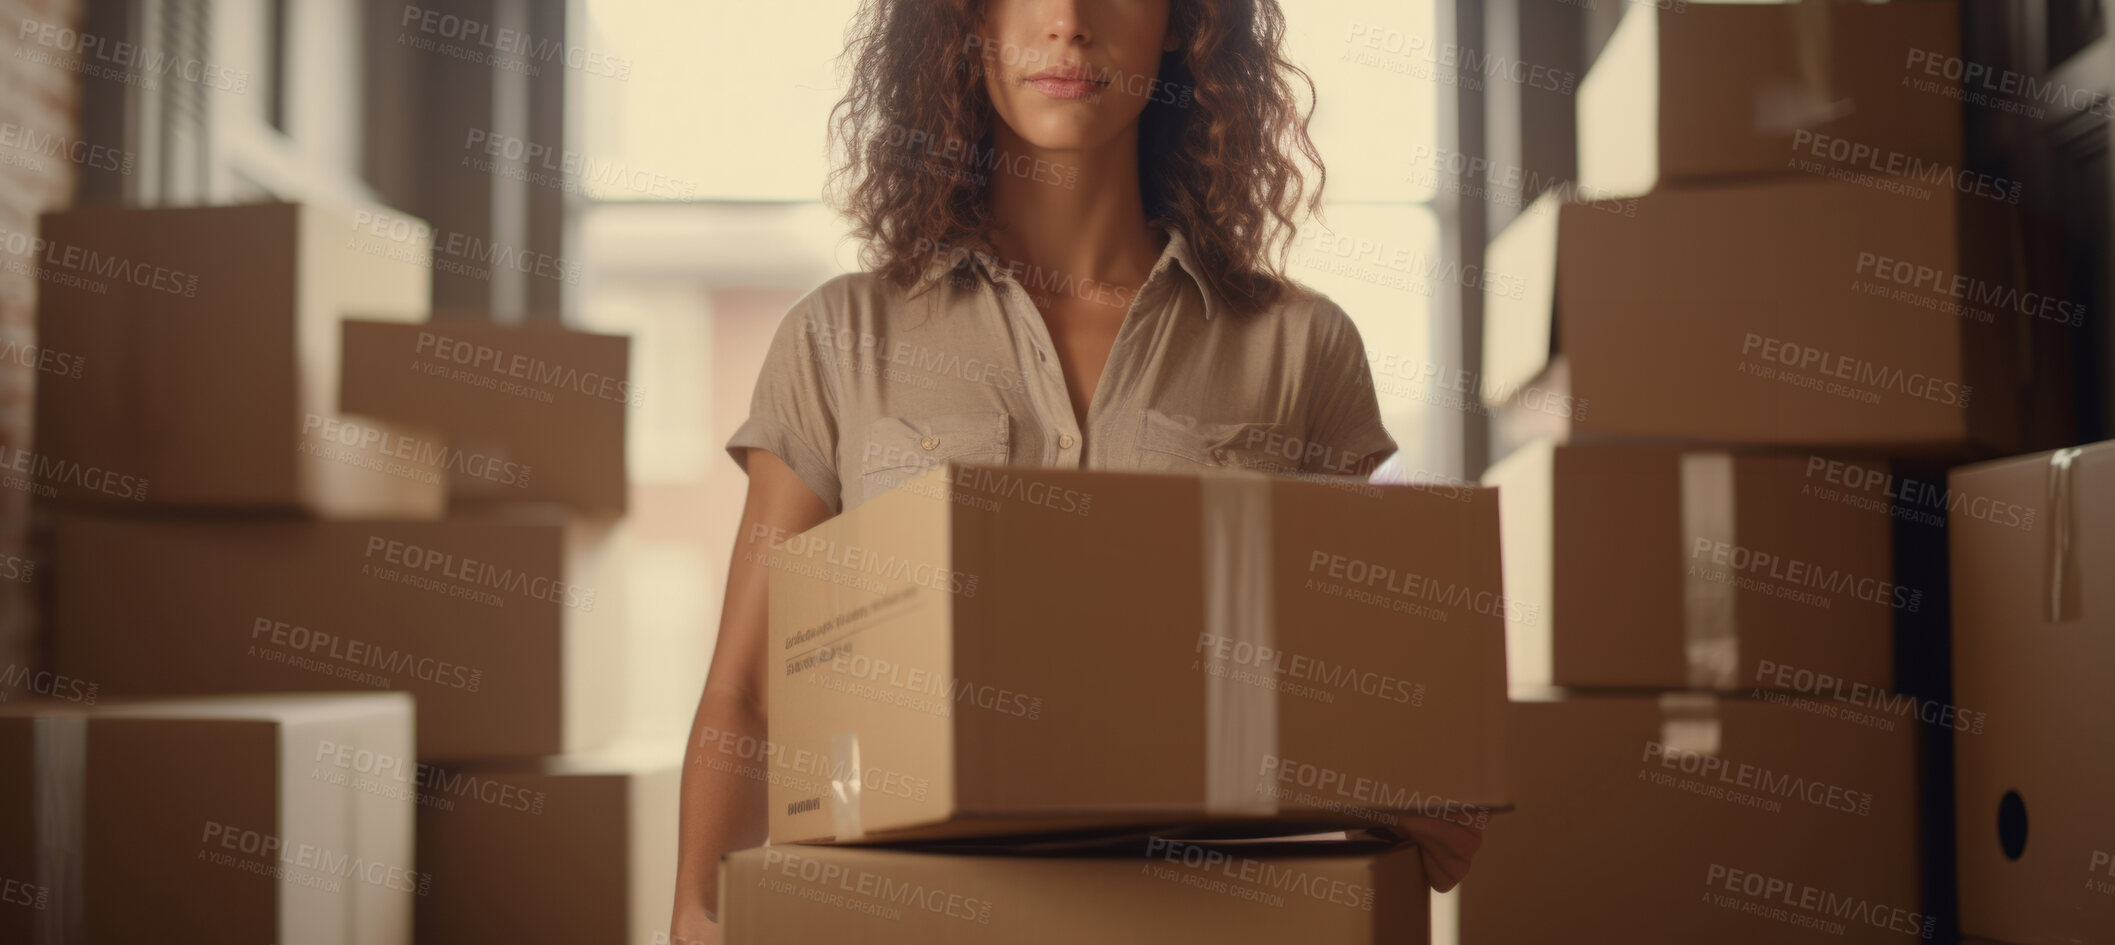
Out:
{"x": 294, "y": 521}
{"x": 1784, "y": 287}
{"x": 1011, "y": 704}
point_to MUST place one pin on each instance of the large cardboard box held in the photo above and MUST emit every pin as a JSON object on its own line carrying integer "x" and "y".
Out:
{"x": 1685, "y": 818}
{"x": 1656, "y": 567}
{"x": 1783, "y": 312}
{"x": 2033, "y": 648}
{"x": 989, "y": 650}
{"x": 499, "y": 625}
{"x": 1162, "y": 891}
{"x": 1692, "y": 93}
{"x": 220, "y": 819}
{"x": 576, "y": 848}
{"x": 531, "y": 413}
{"x": 206, "y": 347}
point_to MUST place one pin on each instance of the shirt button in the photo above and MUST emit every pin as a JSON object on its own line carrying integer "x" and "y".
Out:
{"x": 929, "y": 442}
{"x": 1066, "y": 441}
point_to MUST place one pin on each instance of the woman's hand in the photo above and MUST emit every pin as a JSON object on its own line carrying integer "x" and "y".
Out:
{"x": 1445, "y": 846}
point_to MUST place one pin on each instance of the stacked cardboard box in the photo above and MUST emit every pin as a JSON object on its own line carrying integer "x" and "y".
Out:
{"x": 2033, "y": 638}
{"x": 997, "y": 652}
{"x": 221, "y": 375}
{"x": 228, "y": 819}
{"x": 1780, "y": 290}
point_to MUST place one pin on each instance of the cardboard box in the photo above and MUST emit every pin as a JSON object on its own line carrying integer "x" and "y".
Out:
{"x": 219, "y": 819}
{"x": 1747, "y": 314}
{"x": 991, "y": 650}
{"x": 1689, "y": 93}
{"x": 2033, "y": 641}
{"x": 1656, "y": 567}
{"x": 537, "y": 413}
{"x": 577, "y": 848}
{"x": 1162, "y": 891}
{"x": 1692, "y": 819}
{"x": 501, "y": 626}
{"x": 204, "y": 371}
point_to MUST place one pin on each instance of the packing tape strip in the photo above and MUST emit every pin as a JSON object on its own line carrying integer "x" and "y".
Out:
{"x": 2063, "y": 584}
{"x": 60, "y": 768}
{"x": 1241, "y": 720}
{"x": 1710, "y": 627}
{"x": 1689, "y": 722}
{"x": 844, "y": 786}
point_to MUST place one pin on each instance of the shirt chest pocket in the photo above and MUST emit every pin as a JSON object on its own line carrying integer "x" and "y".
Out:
{"x": 898, "y": 448}
{"x": 1177, "y": 443}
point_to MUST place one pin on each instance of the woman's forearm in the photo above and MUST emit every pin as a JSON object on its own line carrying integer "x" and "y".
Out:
{"x": 723, "y": 799}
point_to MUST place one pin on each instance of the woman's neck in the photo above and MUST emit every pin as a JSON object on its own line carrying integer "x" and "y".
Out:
{"x": 1076, "y": 214}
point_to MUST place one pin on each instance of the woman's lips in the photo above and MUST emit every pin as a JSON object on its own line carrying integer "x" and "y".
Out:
{"x": 1065, "y": 87}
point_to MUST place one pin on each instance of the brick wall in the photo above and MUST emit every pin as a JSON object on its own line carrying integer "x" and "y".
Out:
{"x": 39, "y": 145}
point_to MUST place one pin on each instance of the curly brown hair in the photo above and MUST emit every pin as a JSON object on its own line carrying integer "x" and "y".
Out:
{"x": 1221, "y": 141}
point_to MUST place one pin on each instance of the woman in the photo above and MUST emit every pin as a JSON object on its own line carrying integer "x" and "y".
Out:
{"x": 1070, "y": 210}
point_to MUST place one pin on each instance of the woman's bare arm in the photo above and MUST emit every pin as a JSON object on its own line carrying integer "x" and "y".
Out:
{"x": 723, "y": 810}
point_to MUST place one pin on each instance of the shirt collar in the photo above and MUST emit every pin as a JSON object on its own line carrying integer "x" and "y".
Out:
{"x": 1177, "y": 254}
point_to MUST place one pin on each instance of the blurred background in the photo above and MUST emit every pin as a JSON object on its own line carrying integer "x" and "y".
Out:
{"x": 663, "y": 163}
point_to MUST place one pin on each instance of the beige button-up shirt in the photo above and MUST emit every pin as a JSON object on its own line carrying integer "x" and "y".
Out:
{"x": 864, "y": 386}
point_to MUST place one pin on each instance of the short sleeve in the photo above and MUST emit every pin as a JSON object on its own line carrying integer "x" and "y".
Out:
{"x": 793, "y": 413}
{"x": 1345, "y": 417}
